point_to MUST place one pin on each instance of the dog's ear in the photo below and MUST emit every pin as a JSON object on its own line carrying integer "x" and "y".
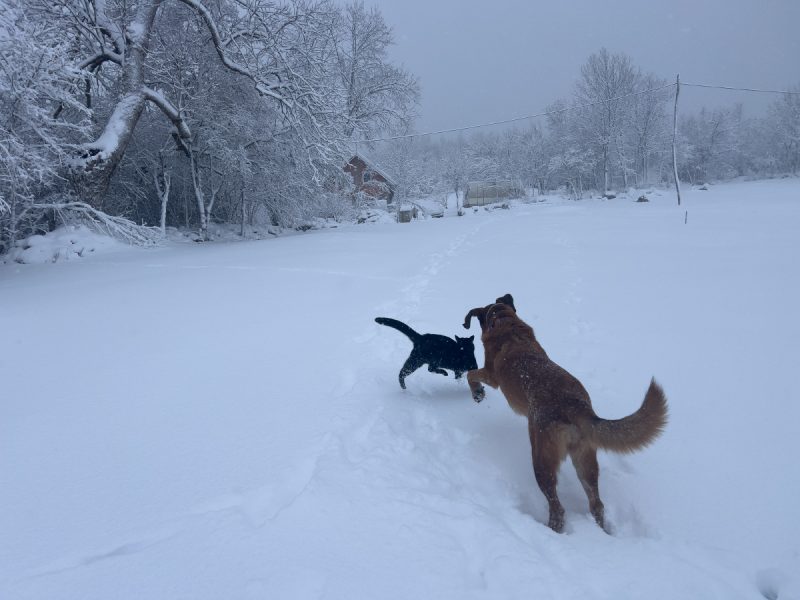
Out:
{"x": 475, "y": 312}
{"x": 507, "y": 299}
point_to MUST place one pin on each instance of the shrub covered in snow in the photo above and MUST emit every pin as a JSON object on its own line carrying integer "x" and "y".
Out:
{"x": 65, "y": 243}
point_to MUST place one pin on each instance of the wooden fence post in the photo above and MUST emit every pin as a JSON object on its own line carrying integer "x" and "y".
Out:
{"x": 674, "y": 138}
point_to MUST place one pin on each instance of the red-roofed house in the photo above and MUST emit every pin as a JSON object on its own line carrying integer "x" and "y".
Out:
{"x": 370, "y": 179}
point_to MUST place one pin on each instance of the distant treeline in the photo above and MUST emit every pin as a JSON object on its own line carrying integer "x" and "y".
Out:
{"x": 610, "y": 135}
{"x": 133, "y": 117}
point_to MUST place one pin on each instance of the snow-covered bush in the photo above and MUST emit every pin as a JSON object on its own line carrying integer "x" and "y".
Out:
{"x": 41, "y": 117}
{"x": 66, "y": 243}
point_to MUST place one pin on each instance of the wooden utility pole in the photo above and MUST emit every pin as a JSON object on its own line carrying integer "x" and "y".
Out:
{"x": 675, "y": 137}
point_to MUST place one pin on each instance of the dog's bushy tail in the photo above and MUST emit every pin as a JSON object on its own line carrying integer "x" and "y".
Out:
{"x": 637, "y": 430}
{"x": 400, "y": 326}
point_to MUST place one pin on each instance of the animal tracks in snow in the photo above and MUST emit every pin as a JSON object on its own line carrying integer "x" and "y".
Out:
{"x": 129, "y": 547}
{"x": 412, "y": 295}
{"x": 264, "y": 504}
{"x": 257, "y": 507}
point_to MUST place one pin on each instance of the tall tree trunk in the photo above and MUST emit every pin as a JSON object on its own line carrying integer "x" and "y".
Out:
{"x": 244, "y": 213}
{"x": 99, "y": 159}
{"x": 199, "y": 197}
{"x": 164, "y": 201}
{"x": 203, "y": 207}
{"x": 622, "y": 160}
{"x": 162, "y": 180}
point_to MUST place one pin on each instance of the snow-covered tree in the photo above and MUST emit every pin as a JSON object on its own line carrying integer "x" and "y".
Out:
{"x": 41, "y": 118}
{"x": 202, "y": 98}
{"x": 648, "y": 125}
{"x": 527, "y": 156}
{"x": 568, "y": 160}
{"x": 710, "y": 143}
{"x": 378, "y": 96}
{"x": 783, "y": 122}
{"x": 279, "y": 48}
{"x": 605, "y": 78}
{"x": 454, "y": 169}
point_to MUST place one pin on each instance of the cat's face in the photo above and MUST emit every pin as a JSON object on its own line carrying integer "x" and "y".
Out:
{"x": 467, "y": 347}
{"x": 466, "y": 343}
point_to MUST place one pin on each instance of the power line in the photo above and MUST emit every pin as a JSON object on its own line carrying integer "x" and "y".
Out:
{"x": 738, "y": 89}
{"x": 515, "y": 119}
{"x": 569, "y": 108}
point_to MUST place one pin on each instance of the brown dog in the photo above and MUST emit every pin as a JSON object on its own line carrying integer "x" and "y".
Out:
{"x": 561, "y": 420}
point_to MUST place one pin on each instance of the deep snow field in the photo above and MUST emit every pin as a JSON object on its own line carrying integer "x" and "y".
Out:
{"x": 223, "y": 421}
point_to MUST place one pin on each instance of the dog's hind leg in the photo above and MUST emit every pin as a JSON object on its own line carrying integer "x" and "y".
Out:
{"x": 585, "y": 460}
{"x": 433, "y": 369}
{"x": 412, "y": 364}
{"x": 547, "y": 458}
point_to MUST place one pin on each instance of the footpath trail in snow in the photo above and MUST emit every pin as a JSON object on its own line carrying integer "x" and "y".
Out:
{"x": 225, "y": 421}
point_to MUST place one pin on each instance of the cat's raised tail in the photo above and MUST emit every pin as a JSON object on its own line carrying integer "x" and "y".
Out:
{"x": 400, "y": 326}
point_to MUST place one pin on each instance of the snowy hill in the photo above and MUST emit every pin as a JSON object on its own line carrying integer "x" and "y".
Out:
{"x": 224, "y": 420}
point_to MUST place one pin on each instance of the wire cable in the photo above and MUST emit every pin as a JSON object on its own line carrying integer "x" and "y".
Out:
{"x": 515, "y": 119}
{"x": 569, "y": 108}
{"x": 738, "y": 89}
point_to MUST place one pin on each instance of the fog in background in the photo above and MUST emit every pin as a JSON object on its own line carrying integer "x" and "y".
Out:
{"x": 199, "y": 133}
{"x": 479, "y": 61}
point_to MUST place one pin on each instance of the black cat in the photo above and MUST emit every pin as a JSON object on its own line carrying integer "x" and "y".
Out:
{"x": 439, "y": 351}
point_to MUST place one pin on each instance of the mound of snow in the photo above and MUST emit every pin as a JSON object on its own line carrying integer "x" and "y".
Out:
{"x": 65, "y": 243}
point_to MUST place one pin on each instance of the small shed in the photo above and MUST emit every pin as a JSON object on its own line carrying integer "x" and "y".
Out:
{"x": 406, "y": 212}
{"x": 480, "y": 193}
{"x": 369, "y": 178}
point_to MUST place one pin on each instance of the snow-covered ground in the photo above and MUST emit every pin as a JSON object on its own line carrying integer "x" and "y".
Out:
{"x": 223, "y": 421}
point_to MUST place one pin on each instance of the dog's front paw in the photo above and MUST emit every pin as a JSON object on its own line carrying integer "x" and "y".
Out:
{"x": 479, "y": 393}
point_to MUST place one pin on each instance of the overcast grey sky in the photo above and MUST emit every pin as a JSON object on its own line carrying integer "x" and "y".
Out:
{"x": 481, "y": 61}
